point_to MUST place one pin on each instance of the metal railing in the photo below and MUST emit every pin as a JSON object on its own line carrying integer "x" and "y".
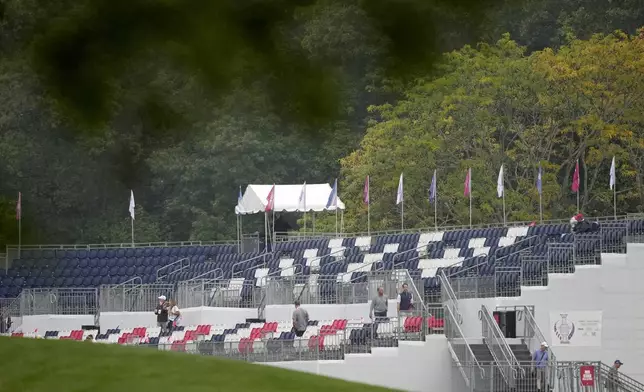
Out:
{"x": 503, "y": 356}
{"x": 223, "y": 293}
{"x": 132, "y": 296}
{"x": 58, "y": 301}
{"x": 297, "y": 236}
{"x": 461, "y": 350}
{"x": 448, "y": 297}
{"x": 174, "y": 267}
{"x": 239, "y": 273}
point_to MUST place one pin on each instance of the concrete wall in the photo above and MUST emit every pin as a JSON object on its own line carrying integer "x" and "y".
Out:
{"x": 326, "y": 312}
{"x": 53, "y": 322}
{"x": 413, "y": 366}
{"x": 616, "y": 288}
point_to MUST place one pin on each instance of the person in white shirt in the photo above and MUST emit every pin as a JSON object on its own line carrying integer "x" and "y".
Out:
{"x": 174, "y": 315}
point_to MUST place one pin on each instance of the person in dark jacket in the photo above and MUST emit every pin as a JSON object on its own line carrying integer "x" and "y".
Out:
{"x": 405, "y": 300}
{"x": 162, "y": 313}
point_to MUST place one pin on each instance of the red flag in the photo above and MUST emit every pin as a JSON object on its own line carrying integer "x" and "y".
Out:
{"x": 19, "y": 207}
{"x": 575, "y": 178}
{"x": 270, "y": 200}
{"x": 468, "y": 183}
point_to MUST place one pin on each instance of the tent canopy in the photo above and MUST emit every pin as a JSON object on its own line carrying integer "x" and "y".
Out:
{"x": 287, "y": 198}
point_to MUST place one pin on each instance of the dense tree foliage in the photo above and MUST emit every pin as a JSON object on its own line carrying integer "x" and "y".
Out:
{"x": 495, "y": 105}
{"x": 184, "y": 110}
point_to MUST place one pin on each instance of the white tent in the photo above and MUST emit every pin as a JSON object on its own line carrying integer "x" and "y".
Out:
{"x": 287, "y": 198}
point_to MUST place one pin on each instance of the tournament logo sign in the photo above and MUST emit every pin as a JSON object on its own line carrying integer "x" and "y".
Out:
{"x": 564, "y": 329}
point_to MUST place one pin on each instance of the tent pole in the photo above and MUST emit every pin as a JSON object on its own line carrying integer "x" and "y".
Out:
{"x": 265, "y": 231}
{"x": 342, "y": 222}
{"x": 274, "y": 236}
{"x": 313, "y": 222}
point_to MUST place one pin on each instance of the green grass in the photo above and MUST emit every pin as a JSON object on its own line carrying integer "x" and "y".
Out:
{"x": 29, "y": 365}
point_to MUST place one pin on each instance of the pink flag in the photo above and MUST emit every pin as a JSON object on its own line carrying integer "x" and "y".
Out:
{"x": 366, "y": 190}
{"x": 19, "y": 207}
{"x": 467, "y": 190}
{"x": 575, "y": 178}
{"x": 270, "y": 200}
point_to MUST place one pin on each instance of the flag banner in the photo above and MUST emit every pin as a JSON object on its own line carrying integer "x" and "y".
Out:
{"x": 499, "y": 183}
{"x": 132, "y": 205}
{"x": 270, "y": 200}
{"x": 19, "y": 207}
{"x": 539, "y": 180}
{"x": 302, "y": 201}
{"x": 575, "y": 179}
{"x": 333, "y": 196}
{"x": 612, "y": 174}
{"x": 365, "y": 193}
{"x": 399, "y": 194}
{"x": 432, "y": 189}
{"x": 467, "y": 190}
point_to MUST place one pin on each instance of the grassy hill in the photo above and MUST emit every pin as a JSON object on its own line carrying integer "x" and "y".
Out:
{"x": 30, "y": 365}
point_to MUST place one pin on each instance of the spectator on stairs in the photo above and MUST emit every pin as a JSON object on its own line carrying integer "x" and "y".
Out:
{"x": 540, "y": 360}
{"x": 174, "y": 315}
{"x": 612, "y": 383}
{"x": 162, "y": 313}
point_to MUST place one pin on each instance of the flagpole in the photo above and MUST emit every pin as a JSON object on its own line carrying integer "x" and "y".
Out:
{"x": 615, "y": 200}
{"x": 402, "y": 214}
{"x": 578, "y": 186}
{"x": 369, "y": 218}
{"x": 336, "y": 219}
{"x": 470, "y": 192}
{"x": 19, "y": 226}
{"x": 342, "y": 222}
{"x": 540, "y": 209}
{"x": 132, "y": 232}
{"x": 273, "y": 240}
{"x": 265, "y": 231}
{"x": 435, "y": 201}
{"x": 504, "y": 220}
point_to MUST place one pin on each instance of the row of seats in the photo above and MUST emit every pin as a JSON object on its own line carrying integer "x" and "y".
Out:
{"x": 498, "y": 246}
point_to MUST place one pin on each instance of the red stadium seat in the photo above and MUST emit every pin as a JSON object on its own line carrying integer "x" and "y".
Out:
{"x": 269, "y": 327}
{"x": 413, "y": 324}
{"x": 76, "y": 335}
{"x": 256, "y": 333}
{"x": 17, "y": 335}
{"x": 316, "y": 343}
{"x": 203, "y": 329}
{"x": 339, "y": 325}
{"x": 179, "y": 345}
{"x": 139, "y": 332}
{"x": 246, "y": 345}
{"x": 190, "y": 335}
{"x": 435, "y": 323}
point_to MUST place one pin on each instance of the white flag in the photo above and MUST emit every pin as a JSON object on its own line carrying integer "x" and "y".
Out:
{"x": 399, "y": 195}
{"x": 132, "y": 204}
{"x": 612, "y": 174}
{"x": 302, "y": 203}
{"x": 499, "y": 183}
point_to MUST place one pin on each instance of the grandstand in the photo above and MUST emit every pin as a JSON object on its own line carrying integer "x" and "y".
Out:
{"x": 237, "y": 305}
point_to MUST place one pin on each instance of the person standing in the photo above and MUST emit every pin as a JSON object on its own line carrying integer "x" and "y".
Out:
{"x": 540, "y": 360}
{"x": 174, "y": 315}
{"x": 612, "y": 383}
{"x": 162, "y": 313}
{"x": 379, "y": 305}
{"x": 300, "y": 320}
{"x": 405, "y": 300}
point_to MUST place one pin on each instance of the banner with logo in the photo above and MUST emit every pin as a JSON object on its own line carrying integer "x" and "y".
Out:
{"x": 576, "y": 328}
{"x": 587, "y": 376}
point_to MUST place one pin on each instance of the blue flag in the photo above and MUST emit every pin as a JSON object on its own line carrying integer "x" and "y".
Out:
{"x": 333, "y": 196}
{"x": 539, "y": 180}
{"x": 432, "y": 189}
